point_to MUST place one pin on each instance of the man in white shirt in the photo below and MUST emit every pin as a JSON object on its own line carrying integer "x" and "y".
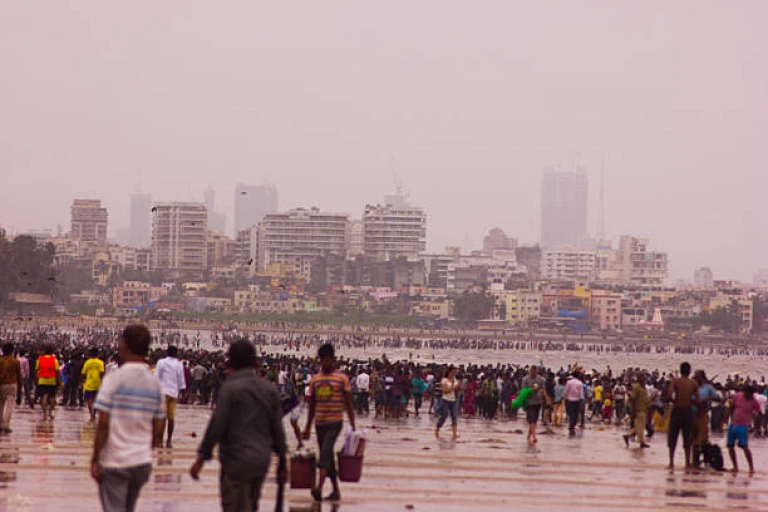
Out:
{"x": 573, "y": 395}
{"x": 170, "y": 373}
{"x": 363, "y": 388}
{"x": 131, "y": 411}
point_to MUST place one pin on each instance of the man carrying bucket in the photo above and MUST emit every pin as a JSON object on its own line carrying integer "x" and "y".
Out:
{"x": 329, "y": 394}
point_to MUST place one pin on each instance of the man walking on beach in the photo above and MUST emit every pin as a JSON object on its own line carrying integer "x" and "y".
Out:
{"x": 170, "y": 373}
{"x": 330, "y": 394}
{"x": 10, "y": 387}
{"x": 537, "y": 383}
{"x": 25, "y": 378}
{"x": 48, "y": 379}
{"x": 684, "y": 393}
{"x": 638, "y": 399}
{"x": 131, "y": 412}
{"x": 247, "y": 426}
{"x": 93, "y": 371}
{"x": 573, "y": 395}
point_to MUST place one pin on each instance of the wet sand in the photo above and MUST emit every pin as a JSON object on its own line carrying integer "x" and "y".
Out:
{"x": 45, "y": 467}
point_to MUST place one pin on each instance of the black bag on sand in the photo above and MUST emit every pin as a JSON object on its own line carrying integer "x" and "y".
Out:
{"x": 713, "y": 456}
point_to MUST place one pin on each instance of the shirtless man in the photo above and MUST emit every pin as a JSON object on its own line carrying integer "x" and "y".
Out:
{"x": 684, "y": 394}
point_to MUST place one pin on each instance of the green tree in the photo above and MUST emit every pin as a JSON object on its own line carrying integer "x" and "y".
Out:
{"x": 25, "y": 267}
{"x": 73, "y": 277}
{"x": 470, "y": 307}
{"x": 726, "y": 319}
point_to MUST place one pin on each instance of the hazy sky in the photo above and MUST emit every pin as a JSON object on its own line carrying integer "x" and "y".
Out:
{"x": 466, "y": 101}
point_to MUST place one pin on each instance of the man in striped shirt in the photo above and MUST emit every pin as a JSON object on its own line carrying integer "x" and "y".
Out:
{"x": 131, "y": 412}
{"x": 329, "y": 395}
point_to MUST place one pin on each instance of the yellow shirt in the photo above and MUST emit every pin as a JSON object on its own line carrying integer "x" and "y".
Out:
{"x": 599, "y": 393}
{"x": 93, "y": 369}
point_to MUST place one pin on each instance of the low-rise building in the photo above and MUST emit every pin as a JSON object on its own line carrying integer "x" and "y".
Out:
{"x": 640, "y": 266}
{"x": 208, "y": 304}
{"x": 434, "y": 309}
{"x": 523, "y": 306}
{"x": 568, "y": 265}
{"x": 605, "y": 311}
{"x": 91, "y": 298}
{"x": 131, "y": 294}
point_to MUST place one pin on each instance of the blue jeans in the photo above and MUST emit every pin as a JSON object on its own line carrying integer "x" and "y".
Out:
{"x": 447, "y": 407}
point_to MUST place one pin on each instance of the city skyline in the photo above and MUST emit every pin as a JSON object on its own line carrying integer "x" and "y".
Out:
{"x": 466, "y": 107}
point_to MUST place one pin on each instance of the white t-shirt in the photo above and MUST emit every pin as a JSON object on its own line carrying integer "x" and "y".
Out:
{"x": 133, "y": 398}
{"x": 363, "y": 382}
{"x": 451, "y": 395}
{"x": 170, "y": 373}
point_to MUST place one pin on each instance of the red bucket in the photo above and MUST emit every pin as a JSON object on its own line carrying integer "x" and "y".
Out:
{"x": 350, "y": 467}
{"x": 303, "y": 472}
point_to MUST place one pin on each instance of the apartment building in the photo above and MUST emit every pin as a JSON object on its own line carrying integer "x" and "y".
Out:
{"x": 221, "y": 249}
{"x": 136, "y": 293}
{"x": 523, "y": 306}
{"x": 640, "y": 266}
{"x": 392, "y": 232}
{"x": 88, "y": 221}
{"x": 568, "y": 265}
{"x": 605, "y": 311}
{"x": 299, "y": 236}
{"x": 179, "y": 237}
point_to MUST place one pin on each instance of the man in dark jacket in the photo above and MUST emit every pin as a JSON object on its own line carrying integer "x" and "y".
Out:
{"x": 247, "y": 426}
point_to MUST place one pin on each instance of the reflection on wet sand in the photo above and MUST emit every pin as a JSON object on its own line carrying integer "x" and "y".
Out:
{"x": 490, "y": 468}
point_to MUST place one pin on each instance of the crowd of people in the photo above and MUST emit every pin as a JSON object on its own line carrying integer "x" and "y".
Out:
{"x": 71, "y": 369}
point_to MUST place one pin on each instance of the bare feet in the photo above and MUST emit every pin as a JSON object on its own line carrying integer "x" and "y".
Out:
{"x": 437, "y": 433}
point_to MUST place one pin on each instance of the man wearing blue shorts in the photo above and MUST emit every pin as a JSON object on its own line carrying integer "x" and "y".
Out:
{"x": 744, "y": 406}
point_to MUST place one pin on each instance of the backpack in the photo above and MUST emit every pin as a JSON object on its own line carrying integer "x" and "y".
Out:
{"x": 713, "y": 456}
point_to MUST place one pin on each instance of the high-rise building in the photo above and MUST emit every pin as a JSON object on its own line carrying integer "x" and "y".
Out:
{"x": 141, "y": 220}
{"x": 563, "y": 208}
{"x": 703, "y": 278}
{"x": 394, "y": 231}
{"x": 252, "y": 203}
{"x": 300, "y": 236}
{"x": 217, "y": 221}
{"x": 89, "y": 221}
{"x": 179, "y": 232}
